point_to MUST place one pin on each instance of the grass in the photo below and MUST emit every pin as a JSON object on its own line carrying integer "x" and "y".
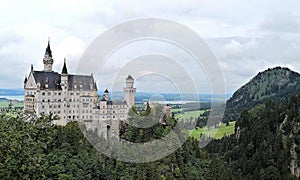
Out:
{"x": 176, "y": 110}
{"x": 189, "y": 114}
{"x": 4, "y": 104}
{"x": 216, "y": 133}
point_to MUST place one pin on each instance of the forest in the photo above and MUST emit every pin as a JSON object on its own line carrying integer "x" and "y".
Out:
{"x": 260, "y": 148}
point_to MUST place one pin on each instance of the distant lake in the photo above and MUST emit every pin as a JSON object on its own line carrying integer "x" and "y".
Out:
{"x": 15, "y": 97}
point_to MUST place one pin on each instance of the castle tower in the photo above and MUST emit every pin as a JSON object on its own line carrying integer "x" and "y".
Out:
{"x": 64, "y": 76}
{"x": 64, "y": 86}
{"x": 106, "y": 95}
{"x": 48, "y": 60}
{"x": 129, "y": 91}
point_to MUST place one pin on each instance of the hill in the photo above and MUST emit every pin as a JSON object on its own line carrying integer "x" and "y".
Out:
{"x": 7, "y": 92}
{"x": 276, "y": 84}
{"x": 266, "y": 142}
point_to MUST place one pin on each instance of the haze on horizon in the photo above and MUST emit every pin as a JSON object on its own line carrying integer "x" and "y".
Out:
{"x": 247, "y": 37}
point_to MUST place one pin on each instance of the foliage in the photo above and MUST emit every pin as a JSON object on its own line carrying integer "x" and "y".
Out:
{"x": 262, "y": 145}
{"x": 37, "y": 149}
{"x": 276, "y": 84}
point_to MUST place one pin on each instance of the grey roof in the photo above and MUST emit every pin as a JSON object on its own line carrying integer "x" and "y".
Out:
{"x": 84, "y": 80}
{"x": 129, "y": 77}
{"x": 54, "y": 80}
{"x": 64, "y": 69}
{"x": 110, "y": 102}
{"x": 48, "y": 50}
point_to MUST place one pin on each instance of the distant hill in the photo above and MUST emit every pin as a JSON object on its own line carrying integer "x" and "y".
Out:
{"x": 276, "y": 84}
{"x": 10, "y": 92}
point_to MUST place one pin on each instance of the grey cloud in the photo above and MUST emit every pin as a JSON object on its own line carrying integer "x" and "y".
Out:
{"x": 9, "y": 37}
{"x": 282, "y": 23}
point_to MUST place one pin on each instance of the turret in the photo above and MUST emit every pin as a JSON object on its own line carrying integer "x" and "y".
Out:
{"x": 48, "y": 60}
{"x": 106, "y": 95}
{"x": 25, "y": 81}
{"x": 129, "y": 91}
{"x": 64, "y": 69}
{"x": 64, "y": 76}
{"x": 129, "y": 81}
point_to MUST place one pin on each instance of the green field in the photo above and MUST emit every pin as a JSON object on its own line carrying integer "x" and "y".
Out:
{"x": 216, "y": 133}
{"x": 4, "y": 104}
{"x": 189, "y": 114}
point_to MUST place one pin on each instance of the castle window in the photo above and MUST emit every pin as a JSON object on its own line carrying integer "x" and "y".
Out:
{"x": 113, "y": 116}
{"x": 50, "y": 106}
{"x": 59, "y": 94}
{"x": 58, "y": 106}
{"x": 43, "y": 100}
{"x": 48, "y": 100}
{"x": 49, "y": 93}
{"x": 43, "y": 93}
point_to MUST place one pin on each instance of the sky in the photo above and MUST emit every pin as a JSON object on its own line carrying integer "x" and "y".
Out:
{"x": 246, "y": 37}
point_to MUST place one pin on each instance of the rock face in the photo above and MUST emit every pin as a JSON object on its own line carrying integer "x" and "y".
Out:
{"x": 276, "y": 84}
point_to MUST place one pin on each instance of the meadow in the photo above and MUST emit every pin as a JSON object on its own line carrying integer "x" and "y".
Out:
{"x": 187, "y": 115}
{"x": 216, "y": 133}
{"x": 4, "y": 104}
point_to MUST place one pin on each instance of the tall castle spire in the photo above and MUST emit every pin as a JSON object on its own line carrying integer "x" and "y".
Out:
{"x": 48, "y": 60}
{"x": 48, "y": 52}
{"x": 64, "y": 69}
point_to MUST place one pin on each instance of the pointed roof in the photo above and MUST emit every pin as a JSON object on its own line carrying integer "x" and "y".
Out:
{"x": 48, "y": 50}
{"x": 64, "y": 69}
{"x": 129, "y": 77}
{"x": 95, "y": 85}
{"x": 106, "y": 91}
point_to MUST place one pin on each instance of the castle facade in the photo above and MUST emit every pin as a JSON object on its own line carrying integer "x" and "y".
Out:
{"x": 73, "y": 97}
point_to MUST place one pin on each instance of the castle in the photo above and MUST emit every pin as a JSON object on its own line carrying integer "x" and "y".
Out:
{"x": 72, "y": 97}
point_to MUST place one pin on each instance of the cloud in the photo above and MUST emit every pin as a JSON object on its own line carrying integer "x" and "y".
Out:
{"x": 284, "y": 22}
{"x": 247, "y": 37}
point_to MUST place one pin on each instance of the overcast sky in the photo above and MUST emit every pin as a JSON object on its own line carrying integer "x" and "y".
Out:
{"x": 246, "y": 36}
